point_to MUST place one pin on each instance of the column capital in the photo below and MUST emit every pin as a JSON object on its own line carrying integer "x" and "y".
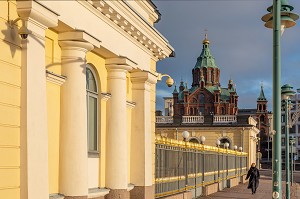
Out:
{"x": 79, "y": 36}
{"x": 76, "y": 44}
{"x": 143, "y": 77}
{"x": 37, "y": 12}
{"x": 120, "y": 63}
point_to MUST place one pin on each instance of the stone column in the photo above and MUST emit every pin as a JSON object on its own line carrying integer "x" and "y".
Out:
{"x": 34, "y": 136}
{"x": 116, "y": 139}
{"x": 73, "y": 137}
{"x": 141, "y": 137}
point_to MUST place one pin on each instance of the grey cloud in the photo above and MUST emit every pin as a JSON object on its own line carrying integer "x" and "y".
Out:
{"x": 240, "y": 43}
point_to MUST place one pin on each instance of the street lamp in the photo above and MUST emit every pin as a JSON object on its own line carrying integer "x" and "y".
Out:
{"x": 202, "y": 139}
{"x": 292, "y": 142}
{"x": 235, "y": 158}
{"x": 241, "y": 158}
{"x": 284, "y": 18}
{"x": 226, "y": 145}
{"x": 185, "y": 135}
{"x": 286, "y": 92}
{"x": 218, "y": 142}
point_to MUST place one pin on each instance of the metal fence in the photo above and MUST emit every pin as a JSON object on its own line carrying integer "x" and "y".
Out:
{"x": 182, "y": 166}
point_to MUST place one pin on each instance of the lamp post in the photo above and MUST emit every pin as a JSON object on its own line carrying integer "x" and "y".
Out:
{"x": 218, "y": 142}
{"x": 202, "y": 139}
{"x": 241, "y": 150}
{"x": 280, "y": 16}
{"x": 235, "y": 162}
{"x": 185, "y": 135}
{"x": 292, "y": 142}
{"x": 226, "y": 146}
{"x": 286, "y": 92}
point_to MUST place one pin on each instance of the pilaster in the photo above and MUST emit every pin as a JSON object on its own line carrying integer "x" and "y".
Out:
{"x": 34, "y": 135}
{"x": 141, "y": 137}
{"x": 73, "y": 138}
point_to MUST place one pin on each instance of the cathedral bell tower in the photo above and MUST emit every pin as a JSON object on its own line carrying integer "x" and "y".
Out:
{"x": 206, "y": 72}
{"x": 263, "y": 123}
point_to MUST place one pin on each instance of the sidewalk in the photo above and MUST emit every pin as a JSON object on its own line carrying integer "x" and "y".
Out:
{"x": 264, "y": 190}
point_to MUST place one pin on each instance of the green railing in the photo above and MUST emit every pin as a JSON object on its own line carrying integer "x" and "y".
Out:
{"x": 184, "y": 166}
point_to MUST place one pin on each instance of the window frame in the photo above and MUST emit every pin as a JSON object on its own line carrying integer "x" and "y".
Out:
{"x": 95, "y": 95}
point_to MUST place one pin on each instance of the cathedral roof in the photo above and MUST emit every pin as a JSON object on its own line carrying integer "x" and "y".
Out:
{"x": 205, "y": 59}
{"x": 262, "y": 95}
{"x": 224, "y": 92}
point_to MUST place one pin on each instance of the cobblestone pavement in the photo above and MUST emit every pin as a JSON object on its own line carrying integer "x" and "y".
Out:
{"x": 264, "y": 190}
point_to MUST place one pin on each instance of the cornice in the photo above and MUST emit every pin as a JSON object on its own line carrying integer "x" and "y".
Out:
{"x": 55, "y": 78}
{"x": 105, "y": 96}
{"x": 38, "y": 12}
{"x": 119, "y": 13}
{"x": 130, "y": 104}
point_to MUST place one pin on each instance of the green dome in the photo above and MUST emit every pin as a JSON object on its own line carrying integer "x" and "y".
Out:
{"x": 205, "y": 59}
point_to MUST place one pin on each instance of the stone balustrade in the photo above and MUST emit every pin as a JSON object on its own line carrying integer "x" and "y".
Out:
{"x": 192, "y": 119}
{"x": 164, "y": 119}
{"x": 221, "y": 119}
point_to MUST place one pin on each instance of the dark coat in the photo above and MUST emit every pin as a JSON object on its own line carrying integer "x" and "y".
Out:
{"x": 253, "y": 173}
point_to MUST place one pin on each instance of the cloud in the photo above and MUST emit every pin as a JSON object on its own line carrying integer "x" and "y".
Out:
{"x": 240, "y": 43}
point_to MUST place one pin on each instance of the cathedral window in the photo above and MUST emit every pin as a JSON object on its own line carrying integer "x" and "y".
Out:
{"x": 202, "y": 98}
{"x": 92, "y": 110}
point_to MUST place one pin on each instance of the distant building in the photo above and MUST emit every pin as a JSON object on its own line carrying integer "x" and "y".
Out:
{"x": 206, "y": 96}
{"x": 168, "y": 102}
{"x": 209, "y": 110}
{"x": 295, "y": 130}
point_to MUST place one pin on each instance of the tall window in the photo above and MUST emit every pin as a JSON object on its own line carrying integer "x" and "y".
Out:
{"x": 202, "y": 99}
{"x": 92, "y": 110}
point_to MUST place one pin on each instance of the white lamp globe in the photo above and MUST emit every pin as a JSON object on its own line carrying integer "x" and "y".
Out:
{"x": 226, "y": 144}
{"x": 185, "y": 134}
{"x": 202, "y": 139}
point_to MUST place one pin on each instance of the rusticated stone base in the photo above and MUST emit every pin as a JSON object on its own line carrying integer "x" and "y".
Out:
{"x": 100, "y": 197}
{"x": 75, "y": 197}
{"x": 185, "y": 195}
{"x": 118, "y": 194}
{"x": 142, "y": 192}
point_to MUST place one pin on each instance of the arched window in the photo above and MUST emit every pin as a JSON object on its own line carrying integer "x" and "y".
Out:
{"x": 92, "y": 110}
{"x": 194, "y": 140}
{"x": 202, "y": 98}
{"x": 262, "y": 119}
{"x": 223, "y": 141}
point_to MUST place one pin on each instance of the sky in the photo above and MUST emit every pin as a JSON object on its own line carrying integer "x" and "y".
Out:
{"x": 239, "y": 42}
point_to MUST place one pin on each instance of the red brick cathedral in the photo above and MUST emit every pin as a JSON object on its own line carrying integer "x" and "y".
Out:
{"x": 206, "y": 96}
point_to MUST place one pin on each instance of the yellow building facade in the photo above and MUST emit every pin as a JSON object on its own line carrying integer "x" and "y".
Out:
{"x": 242, "y": 136}
{"x": 76, "y": 91}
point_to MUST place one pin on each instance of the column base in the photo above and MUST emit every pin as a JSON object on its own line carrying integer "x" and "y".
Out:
{"x": 75, "y": 197}
{"x": 117, "y": 194}
{"x": 142, "y": 192}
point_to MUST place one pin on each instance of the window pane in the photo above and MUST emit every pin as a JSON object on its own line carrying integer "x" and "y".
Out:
{"x": 92, "y": 123}
{"x": 90, "y": 81}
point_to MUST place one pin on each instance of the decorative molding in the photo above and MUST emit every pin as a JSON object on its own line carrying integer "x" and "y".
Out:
{"x": 130, "y": 105}
{"x": 38, "y": 12}
{"x": 130, "y": 187}
{"x": 105, "y": 96}
{"x": 136, "y": 26}
{"x": 97, "y": 192}
{"x": 79, "y": 35}
{"x": 56, "y": 196}
{"x": 55, "y": 78}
